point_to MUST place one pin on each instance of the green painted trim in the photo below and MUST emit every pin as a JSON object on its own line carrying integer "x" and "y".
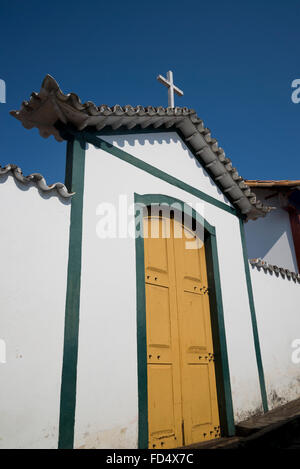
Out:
{"x": 219, "y": 337}
{"x": 254, "y": 322}
{"x": 69, "y": 165}
{"x": 75, "y": 181}
{"x": 141, "y": 337}
{"x": 165, "y": 199}
{"x": 216, "y": 306}
{"x": 121, "y": 154}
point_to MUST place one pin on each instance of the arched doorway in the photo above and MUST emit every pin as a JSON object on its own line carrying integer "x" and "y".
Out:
{"x": 177, "y": 334}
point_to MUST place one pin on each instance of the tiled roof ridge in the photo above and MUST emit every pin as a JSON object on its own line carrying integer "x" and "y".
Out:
{"x": 260, "y": 263}
{"x": 37, "y": 179}
{"x": 50, "y": 105}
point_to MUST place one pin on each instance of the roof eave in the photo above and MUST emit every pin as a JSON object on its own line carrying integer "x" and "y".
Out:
{"x": 51, "y": 105}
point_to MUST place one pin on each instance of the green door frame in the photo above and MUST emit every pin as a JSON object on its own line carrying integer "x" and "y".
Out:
{"x": 217, "y": 317}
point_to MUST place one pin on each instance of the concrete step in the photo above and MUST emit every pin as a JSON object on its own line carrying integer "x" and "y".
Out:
{"x": 219, "y": 443}
{"x": 278, "y": 428}
{"x": 275, "y": 416}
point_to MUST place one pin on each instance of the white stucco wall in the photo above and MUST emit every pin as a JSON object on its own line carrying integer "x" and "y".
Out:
{"x": 166, "y": 151}
{"x": 277, "y": 301}
{"x": 107, "y": 393}
{"x": 271, "y": 238}
{"x": 34, "y": 238}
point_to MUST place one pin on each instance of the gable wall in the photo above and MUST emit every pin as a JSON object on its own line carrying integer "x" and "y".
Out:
{"x": 168, "y": 152}
{"x": 107, "y": 390}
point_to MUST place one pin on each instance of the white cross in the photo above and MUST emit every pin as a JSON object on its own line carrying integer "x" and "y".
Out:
{"x": 171, "y": 87}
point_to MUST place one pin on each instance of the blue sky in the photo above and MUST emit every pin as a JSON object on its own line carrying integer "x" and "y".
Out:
{"x": 235, "y": 61}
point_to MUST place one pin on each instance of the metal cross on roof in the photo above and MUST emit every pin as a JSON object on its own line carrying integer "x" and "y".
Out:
{"x": 171, "y": 87}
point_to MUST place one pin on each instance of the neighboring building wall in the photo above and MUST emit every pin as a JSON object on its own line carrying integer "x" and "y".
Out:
{"x": 34, "y": 240}
{"x": 277, "y": 301}
{"x": 270, "y": 238}
{"x": 107, "y": 390}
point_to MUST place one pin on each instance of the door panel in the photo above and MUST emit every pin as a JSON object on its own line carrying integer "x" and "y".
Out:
{"x": 164, "y": 393}
{"x": 182, "y": 396}
{"x": 159, "y": 322}
{"x": 199, "y": 392}
{"x": 194, "y": 326}
{"x": 162, "y": 415}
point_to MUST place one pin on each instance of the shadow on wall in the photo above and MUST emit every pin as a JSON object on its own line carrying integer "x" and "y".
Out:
{"x": 162, "y": 138}
{"x": 26, "y": 187}
{"x": 152, "y": 139}
{"x": 270, "y": 238}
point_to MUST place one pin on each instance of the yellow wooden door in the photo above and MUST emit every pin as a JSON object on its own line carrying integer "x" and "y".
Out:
{"x": 164, "y": 392}
{"x": 182, "y": 395}
{"x": 198, "y": 382}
